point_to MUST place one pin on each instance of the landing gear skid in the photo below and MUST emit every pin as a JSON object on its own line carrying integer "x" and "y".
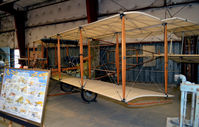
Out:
{"x": 88, "y": 96}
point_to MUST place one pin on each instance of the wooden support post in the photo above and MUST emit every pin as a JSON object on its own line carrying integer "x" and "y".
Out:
{"x": 42, "y": 54}
{"x": 137, "y": 56}
{"x": 89, "y": 60}
{"x": 46, "y": 54}
{"x": 92, "y": 10}
{"x": 107, "y": 57}
{"x": 34, "y": 56}
{"x": 28, "y": 53}
{"x": 117, "y": 62}
{"x": 42, "y": 50}
{"x": 56, "y": 55}
{"x": 123, "y": 57}
{"x": 67, "y": 51}
{"x": 165, "y": 58}
{"x": 59, "y": 56}
{"x": 34, "y": 51}
{"x": 10, "y": 124}
{"x": 81, "y": 56}
{"x": 182, "y": 42}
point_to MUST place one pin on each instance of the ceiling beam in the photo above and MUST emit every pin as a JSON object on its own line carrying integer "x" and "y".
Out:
{"x": 92, "y": 10}
{"x": 9, "y": 8}
{"x": 2, "y": 2}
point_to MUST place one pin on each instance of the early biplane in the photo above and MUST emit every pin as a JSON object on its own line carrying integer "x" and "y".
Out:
{"x": 124, "y": 26}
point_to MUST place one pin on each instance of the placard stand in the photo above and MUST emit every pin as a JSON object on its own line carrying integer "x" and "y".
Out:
{"x": 10, "y": 124}
{"x": 23, "y": 96}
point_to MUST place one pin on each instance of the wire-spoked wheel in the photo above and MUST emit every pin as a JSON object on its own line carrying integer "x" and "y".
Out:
{"x": 88, "y": 96}
{"x": 66, "y": 88}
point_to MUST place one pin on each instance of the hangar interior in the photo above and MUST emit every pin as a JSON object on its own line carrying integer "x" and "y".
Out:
{"x": 134, "y": 63}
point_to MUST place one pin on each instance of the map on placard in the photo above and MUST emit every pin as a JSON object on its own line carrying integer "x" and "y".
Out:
{"x": 23, "y": 93}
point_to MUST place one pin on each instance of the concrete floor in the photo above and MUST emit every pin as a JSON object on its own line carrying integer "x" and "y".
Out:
{"x": 71, "y": 111}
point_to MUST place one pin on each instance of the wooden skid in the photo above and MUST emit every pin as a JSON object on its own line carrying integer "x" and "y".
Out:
{"x": 109, "y": 89}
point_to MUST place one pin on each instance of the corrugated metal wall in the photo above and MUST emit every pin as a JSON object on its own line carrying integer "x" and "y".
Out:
{"x": 154, "y": 74}
{"x": 73, "y": 51}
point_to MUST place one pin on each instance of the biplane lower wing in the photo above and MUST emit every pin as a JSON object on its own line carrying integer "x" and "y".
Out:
{"x": 109, "y": 90}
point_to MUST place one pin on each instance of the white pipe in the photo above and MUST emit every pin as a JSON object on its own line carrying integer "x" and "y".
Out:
{"x": 183, "y": 78}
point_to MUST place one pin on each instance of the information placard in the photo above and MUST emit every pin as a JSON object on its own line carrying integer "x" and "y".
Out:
{"x": 23, "y": 93}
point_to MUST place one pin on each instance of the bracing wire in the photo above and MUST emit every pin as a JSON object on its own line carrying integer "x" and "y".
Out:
{"x": 114, "y": 82}
{"x": 179, "y": 10}
{"x": 124, "y": 9}
{"x": 110, "y": 78}
{"x": 135, "y": 80}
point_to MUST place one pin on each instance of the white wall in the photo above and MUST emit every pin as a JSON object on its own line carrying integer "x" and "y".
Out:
{"x": 7, "y": 39}
{"x": 59, "y": 12}
{"x": 76, "y": 9}
{"x": 108, "y": 6}
{"x": 70, "y": 10}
